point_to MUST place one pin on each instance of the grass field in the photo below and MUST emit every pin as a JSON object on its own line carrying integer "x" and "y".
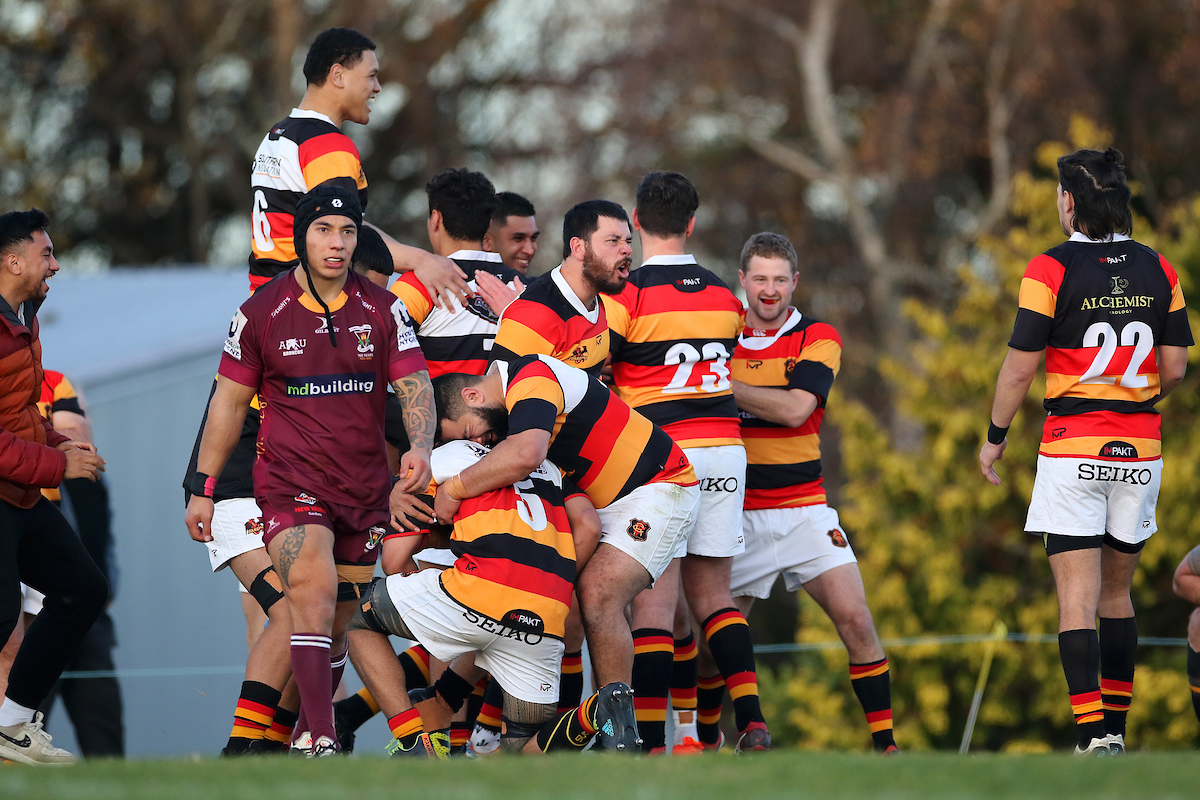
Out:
{"x": 791, "y": 774}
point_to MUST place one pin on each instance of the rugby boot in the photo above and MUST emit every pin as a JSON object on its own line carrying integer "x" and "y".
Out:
{"x": 755, "y": 738}
{"x": 323, "y": 747}
{"x": 1116, "y": 744}
{"x": 712, "y": 747}
{"x": 1098, "y": 748}
{"x": 483, "y": 742}
{"x": 345, "y": 734}
{"x": 616, "y": 723}
{"x": 27, "y": 743}
{"x": 687, "y": 747}
{"x": 266, "y": 747}
{"x": 302, "y": 744}
{"x": 426, "y": 745}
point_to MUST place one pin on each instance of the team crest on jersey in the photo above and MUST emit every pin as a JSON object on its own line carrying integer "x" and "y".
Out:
{"x": 363, "y": 333}
{"x": 1119, "y": 284}
{"x": 292, "y": 346}
{"x": 838, "y": 538}
{"x": 375, "y": 536}
{"x": 637, "y": 530}
{"x": 790, "y": 364}
{"x": 579, "y": 354}
{"x": 254, "y": 526}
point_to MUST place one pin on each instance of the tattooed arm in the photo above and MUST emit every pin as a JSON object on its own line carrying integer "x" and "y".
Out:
{"x": 1187, "y": 577}
{"x": 420, "y": 419}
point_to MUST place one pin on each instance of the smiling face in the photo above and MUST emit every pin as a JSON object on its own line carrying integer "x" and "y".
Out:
{"x": 516, "y": 241}
{"x": 359, "y": 84}
{"x": 769, "y": 284}
{"x": 607, "y": 255}
{"x": 330, "y": 244}
{"x": 36, "y": 265}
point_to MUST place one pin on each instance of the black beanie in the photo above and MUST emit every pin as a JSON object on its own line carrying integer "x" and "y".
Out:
{"x": 323, "y": 200}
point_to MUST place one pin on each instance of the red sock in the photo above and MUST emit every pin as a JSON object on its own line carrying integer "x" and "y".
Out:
{"x": 314, "y": 674}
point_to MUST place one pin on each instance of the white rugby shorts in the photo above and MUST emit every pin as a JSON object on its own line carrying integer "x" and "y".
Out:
{"x": 525, "y": 664}
{"x": 798, "y": 543}
{"x": 236, "y": 529}
{"x": 722, "y": 473}
{"x": 1091, "y": 497}
{"x": 650, "y": 524}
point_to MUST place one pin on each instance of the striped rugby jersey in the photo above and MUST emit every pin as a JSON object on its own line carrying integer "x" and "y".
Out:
{"x": 1099, "y": 309}
{"x": 301, "y": 151}
{"x": 515, "y": 555}
{"x": 459, "y": 341}
{"x": 784, "y": 464}
{"x": 673, "y": 329}
{"x": 606, "y": 447}
{"x": 549, "y": 318}
{"x": 57, "y": 395}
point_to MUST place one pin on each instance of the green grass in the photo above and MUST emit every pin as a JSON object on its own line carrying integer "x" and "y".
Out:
{"x": 790, "y": 774}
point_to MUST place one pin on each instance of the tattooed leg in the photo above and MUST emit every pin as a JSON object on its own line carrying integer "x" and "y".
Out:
{"x": 303, "y": 557}
{"x": 522, "y": 721}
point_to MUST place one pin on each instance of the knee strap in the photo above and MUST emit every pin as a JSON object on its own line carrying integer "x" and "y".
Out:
{"x": 266, "y": 589}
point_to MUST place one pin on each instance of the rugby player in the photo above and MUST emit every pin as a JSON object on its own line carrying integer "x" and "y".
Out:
{"x": 1109, "y": 314}
{"x": 782, "y": 371}
{"x": 321, "y": 478}
{"x": 673, "y": 330}
{"x": 37, "y": 545}
{"x": 513, "y": 232}
{"x": 504, "y": 600}
{"x": 307, "y": 148}
{"x": 1186, "y": 584}
{"x": 560, "y": 313}
{"x": 639, "y": 481}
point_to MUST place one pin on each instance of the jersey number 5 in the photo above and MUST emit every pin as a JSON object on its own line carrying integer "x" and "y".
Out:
{"x": 1101, "y": 334}
{"x": 529, "y": 506}
{"x": 715, "y": 357}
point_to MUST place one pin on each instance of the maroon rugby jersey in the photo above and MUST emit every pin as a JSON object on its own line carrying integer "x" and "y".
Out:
{"x": 322, "y": 407}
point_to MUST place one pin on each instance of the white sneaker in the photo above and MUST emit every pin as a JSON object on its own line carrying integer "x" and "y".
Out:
{"x": 684, "y": 727}
{"x": 29, "y": 744}
{"x": 1097, "y": 749}
{"x": 483, "y": 742}
{"x": 302, "y": 744}
{"x": 1116, "y": 744}
{"x": 323, "y": 746}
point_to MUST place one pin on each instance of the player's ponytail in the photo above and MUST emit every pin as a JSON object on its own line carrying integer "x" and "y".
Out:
{"x": 1097, "y": 183}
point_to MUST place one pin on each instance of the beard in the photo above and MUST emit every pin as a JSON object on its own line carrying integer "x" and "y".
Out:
{"x": 601, "y": 275}
{"x": 496, "y": 418}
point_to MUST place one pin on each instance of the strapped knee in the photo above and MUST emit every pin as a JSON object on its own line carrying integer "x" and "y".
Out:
{"x": 266, "y": 589}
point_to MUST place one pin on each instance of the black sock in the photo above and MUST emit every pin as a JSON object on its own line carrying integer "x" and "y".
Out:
{"x": 454, "y": 689}
{"x": 729, "y": 640}
{"x": 872, "y": 685}
{"x": 1080, "y": 654}
{"x": 1118, "y": 657}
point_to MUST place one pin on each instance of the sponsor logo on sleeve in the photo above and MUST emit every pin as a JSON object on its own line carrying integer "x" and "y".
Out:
{"x": 233, "y": 344}
{"x": 406, "y": 336}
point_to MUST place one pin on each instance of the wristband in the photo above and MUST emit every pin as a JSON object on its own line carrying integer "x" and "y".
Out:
{"x": 203, "y": 485}
{"x": 996, "y": 434}
{"x": 454, "y": 488}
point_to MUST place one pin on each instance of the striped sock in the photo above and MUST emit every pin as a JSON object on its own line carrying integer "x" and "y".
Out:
{"x": 729, "y": 639}
{"x": 683, "y": 684}
{"x": 492, "y": 709}
{"x": 253, "y": 716}
{"x": 415, "y": 663}
{"x": 572, "y": 730}
{"x": 1080, "y": 653}
{"x": 710, "y": 693}
{"x": 653, "y": 652}
{"x": 460, "y": 732}
{"x": 1118, "y": 659}
{"x": 406, "y": 727}
{"x": 354, "y": 711}
{"x": 570, "y": 681}
{"x": 475, "y": 702}
{"x": 282, "y": 726}
{"x": 313, "y": 671}
{"x": 1193, "y": 673}
{"x": 872, "y": 685}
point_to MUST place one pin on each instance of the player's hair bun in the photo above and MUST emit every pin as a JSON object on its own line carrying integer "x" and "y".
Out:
{"x": 1113, "y": 156}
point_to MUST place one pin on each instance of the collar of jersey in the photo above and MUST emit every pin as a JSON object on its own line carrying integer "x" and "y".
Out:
{"x": 474, "y": 255}
{"x": 763, "y": 342}
{"x": 500, "y": 367}
{"x": 1116, "y": 237}
{"x": 311, "y": 302}
{"x": 572, "y": 298}
{"x": 671, "y": 261}
{"x": 304, "y": 113}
